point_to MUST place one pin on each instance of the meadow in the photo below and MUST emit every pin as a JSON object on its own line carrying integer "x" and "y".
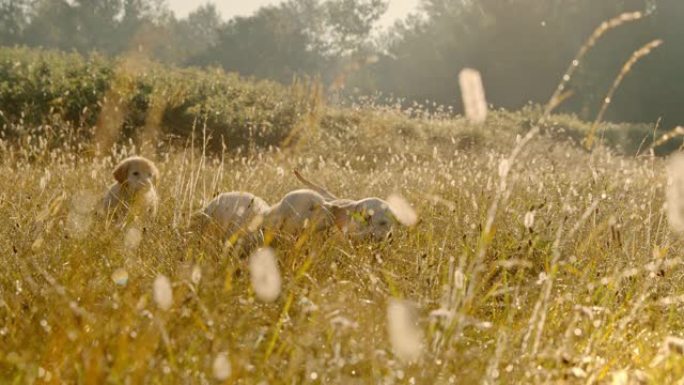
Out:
{"x": 535, "y": 260}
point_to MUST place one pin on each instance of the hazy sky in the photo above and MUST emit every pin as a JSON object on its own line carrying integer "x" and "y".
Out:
{"x": 230, "y": 8}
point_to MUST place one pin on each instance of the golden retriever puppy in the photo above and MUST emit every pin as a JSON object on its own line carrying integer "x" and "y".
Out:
{"x": 231, "y": 214}
{"x": 297, "y": 211}
{"x": 134, "y": 191}
{"x": 371, "y": 218}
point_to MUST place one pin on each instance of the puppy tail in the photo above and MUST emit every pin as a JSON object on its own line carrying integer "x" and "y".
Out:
{"x": 327, "y": 195}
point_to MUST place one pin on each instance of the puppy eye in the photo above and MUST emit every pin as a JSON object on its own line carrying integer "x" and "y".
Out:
{"x": 135, "y": 173}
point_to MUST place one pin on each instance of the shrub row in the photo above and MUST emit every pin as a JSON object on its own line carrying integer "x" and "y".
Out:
{"x": 130, "y": 97}
{"x": 39, "y": 87}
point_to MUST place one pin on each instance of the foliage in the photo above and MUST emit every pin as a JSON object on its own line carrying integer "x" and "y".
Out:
{"x": 134, "y": 96}
{"x": 45, "y": 87}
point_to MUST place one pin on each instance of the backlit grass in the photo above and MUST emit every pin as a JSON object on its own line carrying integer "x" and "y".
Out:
{"x": 578, "y": 281}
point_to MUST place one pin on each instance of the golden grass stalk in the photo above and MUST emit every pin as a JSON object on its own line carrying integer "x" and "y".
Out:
{"x": 560, "y": 95}
{"x": 475, "y": 267}
{"x": 676, "y": 132}
{"x": 624, "y": 71}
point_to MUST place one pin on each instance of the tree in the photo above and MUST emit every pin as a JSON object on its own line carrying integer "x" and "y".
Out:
{"x": 272, "y": 44}
{"x": 348, "y": 25}
{"x": 296, "y": 38}
{"x": 107, "y": 26}
{"x": 522, "y": 58}
{"x": 192, "y": 36}
{"x": 52, "y": 24}
{"x": 13, "y": 20}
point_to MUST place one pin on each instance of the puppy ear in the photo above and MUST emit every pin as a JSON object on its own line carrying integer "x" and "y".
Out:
{"x": 341, "y": 211}
{"x": 155, "y": 173}
{"x": 121, "y": 171}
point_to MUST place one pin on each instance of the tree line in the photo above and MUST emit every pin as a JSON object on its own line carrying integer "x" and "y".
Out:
{"x": 522, "y": 47}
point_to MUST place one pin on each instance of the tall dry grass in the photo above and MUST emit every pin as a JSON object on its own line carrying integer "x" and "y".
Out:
{"x": 585, "y": 290}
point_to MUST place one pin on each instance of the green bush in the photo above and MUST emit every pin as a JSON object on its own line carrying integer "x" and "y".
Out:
{"x": 76, "y": 96}
{"x": 45, "y": 87}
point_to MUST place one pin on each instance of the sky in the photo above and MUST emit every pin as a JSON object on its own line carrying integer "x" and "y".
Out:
{"x": 230, "y": 8}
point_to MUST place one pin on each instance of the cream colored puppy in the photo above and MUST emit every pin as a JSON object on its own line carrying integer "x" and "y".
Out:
{"x": 363, "y": 219}
{"x": 371, "y": 218}
{"x": 134, "y": 191}
{"x": 231, "y": 213}
{"x": 297, "y": 211}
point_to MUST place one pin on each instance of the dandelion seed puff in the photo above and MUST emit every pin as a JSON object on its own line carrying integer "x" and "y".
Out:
{"x": 37, "y": 244}
{"x": 264, "y": 274}
{"x": 504, "y": 167}
{"x": 578, "y": 372}
{"x": 473, "y": 95}
{"x": 675, "y": 192}
{"x": 402, "y": 210}
{"x": 132, "y": 238}
{"x": 459, "y": 280}
{"x": 163, "y": 295}
{"x": 196, "y": 275}
{"x": 620, "y": 378}
{"x": 120, "y": 277}
{"x": 77, "y": 225}
{"x": 221, "y": 367}
{"x": 405, "y": 337}
{"x": 529, "y": 219}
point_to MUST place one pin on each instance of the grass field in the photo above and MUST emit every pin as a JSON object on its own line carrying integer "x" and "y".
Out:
{"x": 555, "y": 267}
{"x": 534, "y": 260}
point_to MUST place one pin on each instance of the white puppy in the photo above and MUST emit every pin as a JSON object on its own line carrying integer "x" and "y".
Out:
{"x": 297, "y": 211}
{"x": 366, "y": 218}
{"x": 232, "y": 213}
{"x": 134, "y": 191}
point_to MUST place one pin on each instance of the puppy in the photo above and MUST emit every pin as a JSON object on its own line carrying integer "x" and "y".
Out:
{"x": 231, "y": 214}
{"x": 134, "y": 191}
{"x": 297, "y": 211}
{"x": 371, "y": 218}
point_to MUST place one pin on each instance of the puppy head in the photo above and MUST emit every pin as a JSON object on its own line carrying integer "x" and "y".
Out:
{"x": 297, "y": 211}
{"x": 368, "y": 218}
{"x": 136, "y": 173}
